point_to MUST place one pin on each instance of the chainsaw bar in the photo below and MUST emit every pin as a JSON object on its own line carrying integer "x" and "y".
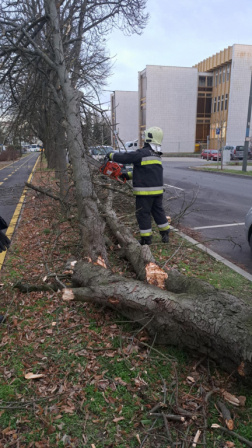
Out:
{"x": 94, "y": 162}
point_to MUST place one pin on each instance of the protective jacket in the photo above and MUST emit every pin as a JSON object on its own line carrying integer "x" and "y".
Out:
{"x": 147, "y": 172}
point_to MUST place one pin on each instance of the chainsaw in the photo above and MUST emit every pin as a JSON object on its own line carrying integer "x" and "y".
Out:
{"x": 108, "y": 168}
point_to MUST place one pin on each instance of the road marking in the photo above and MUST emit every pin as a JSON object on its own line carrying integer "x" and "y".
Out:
{"x": 221, "y": 225}
{"x": 172, "y": 186}
{"x": 16, "y": 215}
{"x": 6, "y": 178}
{"x": 1, "y": 183}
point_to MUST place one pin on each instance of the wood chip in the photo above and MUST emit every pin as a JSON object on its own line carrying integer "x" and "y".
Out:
{"x": 33, "y": 376}
{"x": 196, "y": 439}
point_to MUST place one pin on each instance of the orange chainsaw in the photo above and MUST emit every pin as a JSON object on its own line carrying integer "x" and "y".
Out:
{"x": 109, "y": 168}
{"x": 112, "y": 169}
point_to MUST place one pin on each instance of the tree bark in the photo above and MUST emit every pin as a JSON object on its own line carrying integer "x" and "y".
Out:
{"x": 91, "y": 224}
{"x": 211, "y": 322}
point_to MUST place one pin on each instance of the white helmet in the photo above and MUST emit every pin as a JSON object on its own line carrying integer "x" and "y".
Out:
{"x": 154, "y": 135}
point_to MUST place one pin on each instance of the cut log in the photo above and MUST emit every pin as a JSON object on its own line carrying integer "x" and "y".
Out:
{"x": 141, "y": 258}
{"x": 138, "y": 256}
{"x": 211, "y": 322}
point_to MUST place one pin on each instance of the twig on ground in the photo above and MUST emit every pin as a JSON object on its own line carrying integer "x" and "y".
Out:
{"x": 147, "y": 435}
{"x": 175, "y": 418}
{"x": 234, "y": 434}
{"x": 167, "y": 430}
{"x": 152, "y": 345}
{"x": 171, "y": 358}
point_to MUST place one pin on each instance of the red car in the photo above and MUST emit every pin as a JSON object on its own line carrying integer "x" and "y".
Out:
{"x": 211, "y": 154}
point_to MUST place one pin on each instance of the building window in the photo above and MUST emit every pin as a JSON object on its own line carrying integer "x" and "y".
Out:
{"x": 209, "y": 81}
{"x": 222, "y": 101}
{"x": 216, "y": 78}
{"x": 202, "y": 81}
{"x": 226, "y": 101}
{"x": 215, "y": 104}
{"x": 228, "y": 72}
{"x": 218, "y": 104}
{"x": 223, "y": 74}
{"x": 220, "y": 76}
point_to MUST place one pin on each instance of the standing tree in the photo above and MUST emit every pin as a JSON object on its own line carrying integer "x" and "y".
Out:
{"x": 51, "y": 37}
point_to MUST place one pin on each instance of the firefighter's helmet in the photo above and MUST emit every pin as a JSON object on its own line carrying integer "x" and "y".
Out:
{"x": 154, "y": 135}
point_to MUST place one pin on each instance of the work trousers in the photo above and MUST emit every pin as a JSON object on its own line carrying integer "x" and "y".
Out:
{"x": 147, "y": 206}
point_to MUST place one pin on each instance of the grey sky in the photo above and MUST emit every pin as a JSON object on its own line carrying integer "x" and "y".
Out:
{"x": 180, "y": 33}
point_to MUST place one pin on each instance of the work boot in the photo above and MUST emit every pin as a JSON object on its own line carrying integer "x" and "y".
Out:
{"x": 165, "y": 236}
{"x": 145, "y": 240}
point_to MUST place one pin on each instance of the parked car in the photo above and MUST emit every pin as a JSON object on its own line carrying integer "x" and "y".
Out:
{"x": 211, "y": 154}
{"x": 34, "y": 148}
{"x": 215, "y": 154}
{"x": 248, "y": 227}
{"x": 236, "y": 152}
{"x": 133, "y": 145}
{"x": 98, "y": 153}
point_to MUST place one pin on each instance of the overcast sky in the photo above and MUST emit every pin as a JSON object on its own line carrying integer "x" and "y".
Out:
{"x": 179, "y": 33}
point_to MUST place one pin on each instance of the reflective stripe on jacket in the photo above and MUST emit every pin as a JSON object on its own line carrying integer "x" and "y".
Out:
{"x": 147, "y": 170}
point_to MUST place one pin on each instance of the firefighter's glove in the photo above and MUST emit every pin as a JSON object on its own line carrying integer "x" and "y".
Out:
{"x": 4, "y": 242}
{"x": 3, "y": 224}
{"x": 124, "y": 176}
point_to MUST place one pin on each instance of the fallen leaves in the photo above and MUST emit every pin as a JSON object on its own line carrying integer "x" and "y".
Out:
{"x": 118, "y": 419}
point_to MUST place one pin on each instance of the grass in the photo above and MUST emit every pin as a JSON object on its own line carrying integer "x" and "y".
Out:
{"x": 224, "y": 171}
{"x": 88, "y": 396}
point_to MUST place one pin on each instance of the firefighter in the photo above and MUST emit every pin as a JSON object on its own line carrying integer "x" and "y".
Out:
{"x": 4, "y": 240}
{"x": 147, "y": 184}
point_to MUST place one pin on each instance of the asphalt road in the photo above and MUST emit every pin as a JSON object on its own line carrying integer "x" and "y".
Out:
{"x": 216, "y": 200}
{"x": 12, "y": 180}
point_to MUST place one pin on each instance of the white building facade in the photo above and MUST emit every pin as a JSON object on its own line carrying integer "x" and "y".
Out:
{"x": 168, "y": 99}
{"x": 241, "y": 70}
{"x": 124, "y": 116}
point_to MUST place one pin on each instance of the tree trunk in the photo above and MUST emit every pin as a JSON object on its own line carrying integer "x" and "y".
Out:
{"x": 91, "y": 224}
{"x": 212, "y": 322}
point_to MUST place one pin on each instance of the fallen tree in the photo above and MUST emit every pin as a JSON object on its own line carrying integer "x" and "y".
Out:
{"x": 211, "y": 322}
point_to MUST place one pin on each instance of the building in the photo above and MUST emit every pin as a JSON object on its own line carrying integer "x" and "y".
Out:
{"x": 231, "y": 71}
{"x": 205, "y": 104}
{"x": 124, "y": 116}
{"x": 168, "y": 99}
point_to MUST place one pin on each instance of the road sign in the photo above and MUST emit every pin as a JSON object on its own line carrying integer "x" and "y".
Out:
{"x": 218, "y": 131}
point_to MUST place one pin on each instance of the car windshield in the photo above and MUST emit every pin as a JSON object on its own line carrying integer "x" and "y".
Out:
{"x": 98, "y": 151}
{"x": 33, "y": 146}
{"x": 108, "y": 149}
{"x": 240, "y": 148}
{"x": 214, "y": 151}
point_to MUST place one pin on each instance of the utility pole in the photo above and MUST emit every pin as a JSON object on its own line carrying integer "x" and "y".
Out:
{"x": 246, "y": 144}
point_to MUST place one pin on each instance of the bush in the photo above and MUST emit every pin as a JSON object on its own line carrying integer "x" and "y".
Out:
{"x": 9, "y": 154}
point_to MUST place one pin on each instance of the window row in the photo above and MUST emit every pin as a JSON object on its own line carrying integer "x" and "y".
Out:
{"x": 218, "y": 103}
{"x": 222, "y": 75}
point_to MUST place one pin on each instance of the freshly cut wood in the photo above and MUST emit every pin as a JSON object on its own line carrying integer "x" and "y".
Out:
{"x": 211, "y": 322}
{"x": 226, "y": 415}
{"x": 33, "y": 376}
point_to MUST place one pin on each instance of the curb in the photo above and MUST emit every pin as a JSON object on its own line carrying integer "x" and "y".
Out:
{"x": 243, "y": 176}
{"x": 16, "y": 214}
{"x": 214, "y": 255}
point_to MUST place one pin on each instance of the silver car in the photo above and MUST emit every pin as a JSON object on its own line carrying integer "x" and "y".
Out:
{"x": 248, "y": 227}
